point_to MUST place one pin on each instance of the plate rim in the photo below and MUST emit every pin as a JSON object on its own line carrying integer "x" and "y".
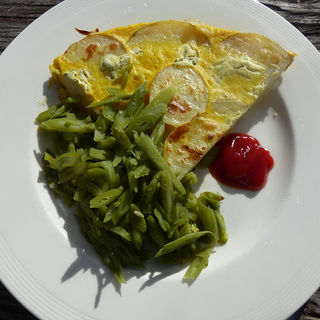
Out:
{"x": 61, "y": 6}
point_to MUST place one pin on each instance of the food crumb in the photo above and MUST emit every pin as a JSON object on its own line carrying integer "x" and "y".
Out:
{"x": 275, "y": 114}
{"x": 42, "y": 102}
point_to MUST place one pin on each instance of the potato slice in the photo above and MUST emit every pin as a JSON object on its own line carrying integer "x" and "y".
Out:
{"x": 93, "y": 47}
{"x": 187, "y": 144}
{"x": 192, "y": 93}
{"x": 263, "y": 50}
{"x": 170, "y": 30}
{"x": 89, "y": 66}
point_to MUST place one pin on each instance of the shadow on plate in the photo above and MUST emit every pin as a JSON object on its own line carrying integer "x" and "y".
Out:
{"x": 51, "y": 92}
{"x": 87, "y": 259}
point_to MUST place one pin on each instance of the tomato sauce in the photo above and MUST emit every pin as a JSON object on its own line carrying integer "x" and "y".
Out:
{"x": 241, "y": 162}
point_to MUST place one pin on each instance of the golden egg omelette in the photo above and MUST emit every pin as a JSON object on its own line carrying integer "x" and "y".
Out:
{"x": 217, "y": 74}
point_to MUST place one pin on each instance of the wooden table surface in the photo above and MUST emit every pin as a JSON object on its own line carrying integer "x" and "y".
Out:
{"x": 15, "y": 15}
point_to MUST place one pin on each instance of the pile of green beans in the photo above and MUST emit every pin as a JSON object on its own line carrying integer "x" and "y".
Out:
{"x": 107, "y": 160}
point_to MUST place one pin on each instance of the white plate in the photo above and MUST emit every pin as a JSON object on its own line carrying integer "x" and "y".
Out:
{"x": 271, "y": 264}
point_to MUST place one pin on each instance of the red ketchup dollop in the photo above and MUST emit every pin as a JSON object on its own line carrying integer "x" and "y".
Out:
{"x": 241, "y": 162}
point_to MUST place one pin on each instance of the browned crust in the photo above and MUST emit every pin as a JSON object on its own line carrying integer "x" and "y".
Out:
{"x": 178, "y": 133}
